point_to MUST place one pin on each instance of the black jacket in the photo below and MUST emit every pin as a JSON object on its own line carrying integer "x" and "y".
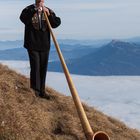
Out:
{"x": 37, "y": 34}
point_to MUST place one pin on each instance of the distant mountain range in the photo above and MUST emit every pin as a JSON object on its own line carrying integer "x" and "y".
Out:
{"x": 14, "y": 54}
{"x": 113, "y": 58}
{"x": 135, "y": 40}
{"x": 69, "y": 52}
{"x": 64, "y": 42}
{"x": 10, "y": 44}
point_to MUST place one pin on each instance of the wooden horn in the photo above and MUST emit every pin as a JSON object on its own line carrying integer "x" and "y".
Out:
{"x": 90, "y": 135}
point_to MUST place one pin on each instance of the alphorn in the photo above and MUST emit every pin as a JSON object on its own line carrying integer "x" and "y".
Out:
{"x": 90, "y": 135}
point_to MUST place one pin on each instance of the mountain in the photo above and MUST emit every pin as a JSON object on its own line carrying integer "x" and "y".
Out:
{"x": 63, "y": 42}
{"x": 134, "y": 40}
{"x": 10, "y": 44}
{"x": 69, "y": 52}
{"x": 14, "y": 54}
{"x": 115, "y": 58}
{"x": 26, "y": 117}
{"x": 96, "y": 43}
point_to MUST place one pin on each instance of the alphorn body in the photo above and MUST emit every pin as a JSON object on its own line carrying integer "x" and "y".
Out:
{"x": 90, "y": 135}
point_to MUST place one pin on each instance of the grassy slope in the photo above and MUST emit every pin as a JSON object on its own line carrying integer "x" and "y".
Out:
{"x": 25, "y": 117}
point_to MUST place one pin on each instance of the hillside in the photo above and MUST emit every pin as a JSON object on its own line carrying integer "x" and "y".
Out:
{"x": 25, "y": 117}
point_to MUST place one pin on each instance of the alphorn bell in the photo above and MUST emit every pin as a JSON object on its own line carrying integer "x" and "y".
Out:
{"x": 90, "y": 135}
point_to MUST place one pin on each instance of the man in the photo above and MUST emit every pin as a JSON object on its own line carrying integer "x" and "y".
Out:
{"x": 37, "y": 43}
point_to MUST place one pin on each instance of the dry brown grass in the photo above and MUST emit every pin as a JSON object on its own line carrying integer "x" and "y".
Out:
{"x": 25, "y": 117}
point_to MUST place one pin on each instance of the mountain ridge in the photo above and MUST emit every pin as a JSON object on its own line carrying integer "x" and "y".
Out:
{"x": 115, "y": 58}
{"x": 69, "y": 52}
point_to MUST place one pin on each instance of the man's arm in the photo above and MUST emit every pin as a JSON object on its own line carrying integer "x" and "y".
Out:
{"x": 54, "y": 20}
{"x": 27, "y": 14}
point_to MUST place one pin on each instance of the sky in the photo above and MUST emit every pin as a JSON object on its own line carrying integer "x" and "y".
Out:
{"x": 81, "y": 19}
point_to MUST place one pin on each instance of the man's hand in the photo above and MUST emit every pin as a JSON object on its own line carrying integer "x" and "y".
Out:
{"x": 46, "y": 10}
{"x": 41, "y": 7}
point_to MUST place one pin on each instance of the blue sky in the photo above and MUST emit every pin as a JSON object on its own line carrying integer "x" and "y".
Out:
{"x": 88, "y": 19}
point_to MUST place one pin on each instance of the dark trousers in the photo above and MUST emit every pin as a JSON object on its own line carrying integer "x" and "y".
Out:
{"x": 38, "y": 69}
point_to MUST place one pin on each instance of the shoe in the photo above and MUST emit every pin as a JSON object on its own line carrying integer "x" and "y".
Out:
{"x": 36, "y": 93}
{"x": 44, "y": 95}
